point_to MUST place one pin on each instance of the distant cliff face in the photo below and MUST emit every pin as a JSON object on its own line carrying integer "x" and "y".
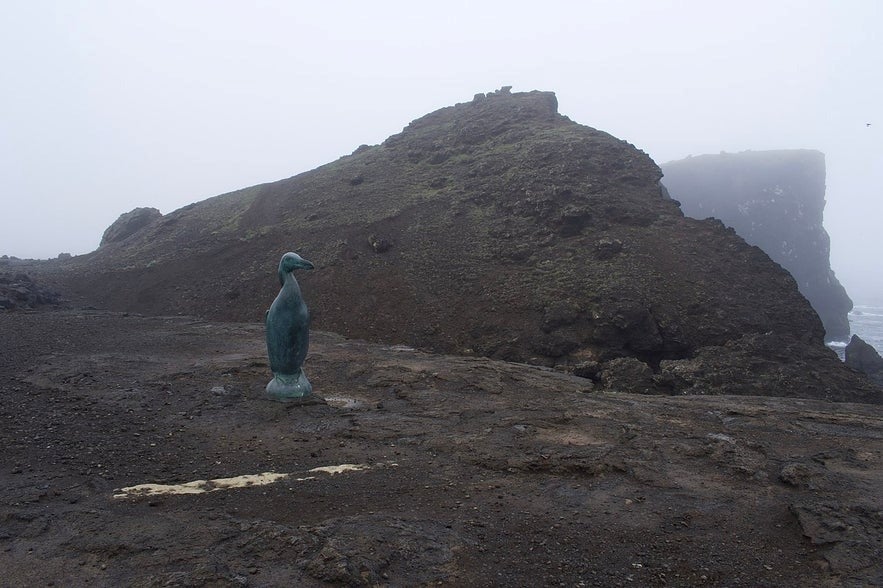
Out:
{"x": 495, "y": 227}
{"x": 775, "y": 200}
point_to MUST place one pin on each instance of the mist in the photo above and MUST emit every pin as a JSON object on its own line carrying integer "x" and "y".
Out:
{"x": 108, "y": 106}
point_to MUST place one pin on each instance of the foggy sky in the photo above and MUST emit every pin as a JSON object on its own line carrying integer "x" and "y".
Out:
{"x": 106, "y": 106}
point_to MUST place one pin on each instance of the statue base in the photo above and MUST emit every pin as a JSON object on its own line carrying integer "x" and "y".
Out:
{"x": 289, "y": 387}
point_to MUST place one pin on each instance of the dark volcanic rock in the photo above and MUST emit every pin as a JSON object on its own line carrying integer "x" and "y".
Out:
{"x": 775, "y": 200}
{"x": 765, "y": 364}
{"x": 496, "y": 227}
{"x": 18, "y": 290}
{"x": 627, "y": 374}
{"x": 129, "y": 223}
{"x": 863, "y": 357}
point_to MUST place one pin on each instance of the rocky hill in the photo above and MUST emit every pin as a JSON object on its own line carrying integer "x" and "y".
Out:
{"x": 499, "y": 228}
{"x": 775, "y": 200}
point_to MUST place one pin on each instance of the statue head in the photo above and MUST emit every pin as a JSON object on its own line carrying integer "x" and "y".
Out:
{"x": 290, "y": 262}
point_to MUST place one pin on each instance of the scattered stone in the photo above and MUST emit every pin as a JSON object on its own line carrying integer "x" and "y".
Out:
{"x": 587, "y": 369}
{"x": 606, "y": 248}
{"x": 800, "y": 474}
{"x": 378, "y": 244}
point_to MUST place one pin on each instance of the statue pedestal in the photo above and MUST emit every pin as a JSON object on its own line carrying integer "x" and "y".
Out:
{"x": 289, "y": 387}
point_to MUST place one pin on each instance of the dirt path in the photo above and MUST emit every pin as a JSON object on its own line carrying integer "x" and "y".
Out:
{"x": 458, "y": 471}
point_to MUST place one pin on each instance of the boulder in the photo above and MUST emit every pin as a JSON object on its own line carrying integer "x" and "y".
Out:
{"x": 627, "y": 374}
{"x": 864, "y": 358}
{"x": 129, "y": 223}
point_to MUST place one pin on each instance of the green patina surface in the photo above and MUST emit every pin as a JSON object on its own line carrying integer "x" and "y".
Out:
{"x": 288, "y": 334}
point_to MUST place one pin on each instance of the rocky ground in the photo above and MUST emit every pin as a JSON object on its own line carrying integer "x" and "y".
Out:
{"x": 463, "y": 471}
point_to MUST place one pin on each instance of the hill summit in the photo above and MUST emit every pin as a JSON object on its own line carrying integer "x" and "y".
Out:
{"x": 495, "y": 227}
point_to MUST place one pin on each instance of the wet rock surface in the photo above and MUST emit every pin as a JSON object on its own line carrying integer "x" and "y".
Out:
{"x": 481, "y": 472}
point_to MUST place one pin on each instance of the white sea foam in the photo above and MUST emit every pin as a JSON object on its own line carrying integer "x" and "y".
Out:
{"x": 866, "y": 321}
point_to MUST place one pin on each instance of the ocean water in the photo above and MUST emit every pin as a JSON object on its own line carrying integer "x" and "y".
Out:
{"x": 866, "y": 321}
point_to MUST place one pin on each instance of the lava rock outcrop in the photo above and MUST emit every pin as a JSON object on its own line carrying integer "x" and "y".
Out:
{"x": 129, "y": 223}
{"x": 19, "y": 291}
{"x": 864, "y": 358}
{"x": 775, "y": 200}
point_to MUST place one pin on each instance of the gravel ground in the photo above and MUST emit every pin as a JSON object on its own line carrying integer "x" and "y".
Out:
{"x": 462, "y": 471}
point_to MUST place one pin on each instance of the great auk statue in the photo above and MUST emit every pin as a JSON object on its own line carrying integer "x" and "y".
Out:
{"x": 288, "y": 333}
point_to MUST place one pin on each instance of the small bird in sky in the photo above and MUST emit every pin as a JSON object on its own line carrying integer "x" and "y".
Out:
{"x": 867, "y": 124}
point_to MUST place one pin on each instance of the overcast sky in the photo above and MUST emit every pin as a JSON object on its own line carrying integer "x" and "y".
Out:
{"x": 106, "y": 106}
